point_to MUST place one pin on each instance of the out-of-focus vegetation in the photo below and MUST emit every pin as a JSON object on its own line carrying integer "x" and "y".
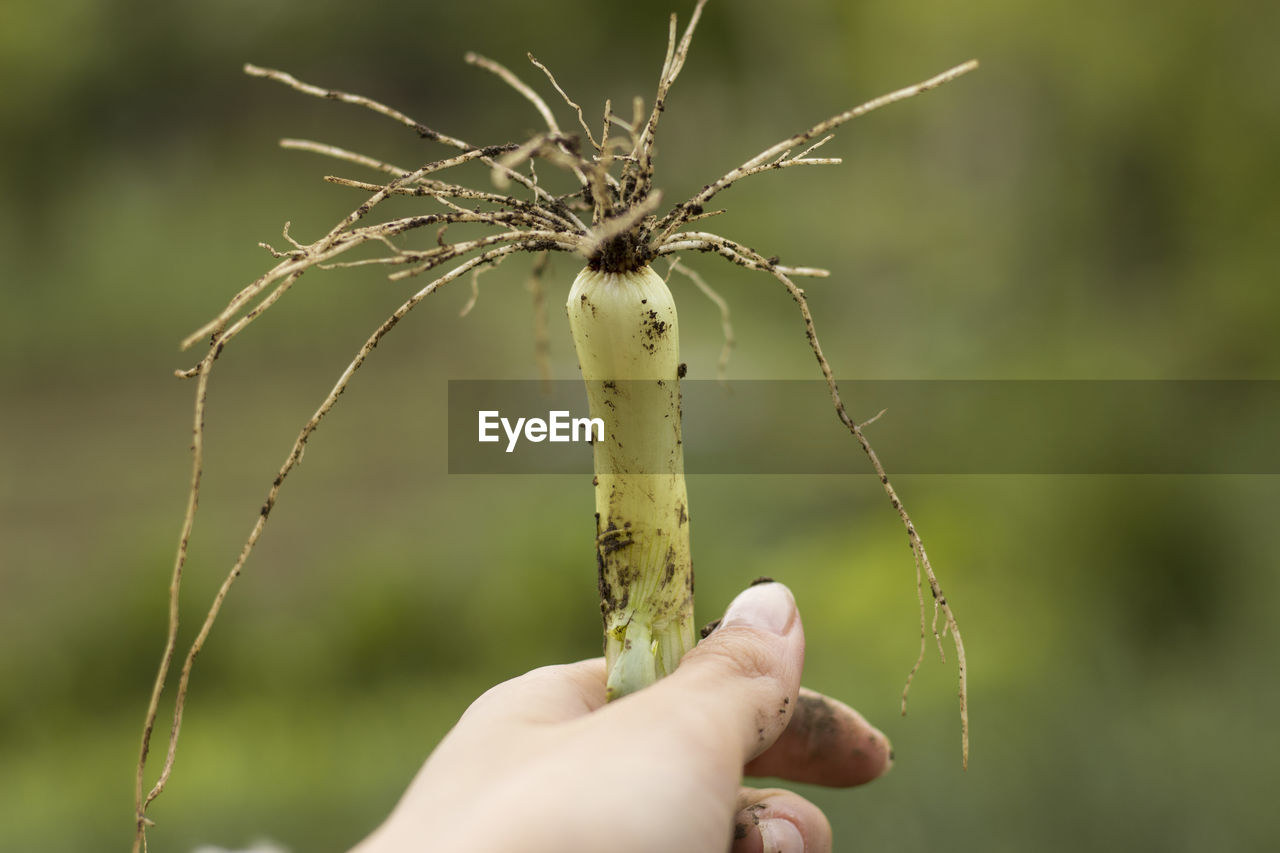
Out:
{"x": 1098, "y": 201}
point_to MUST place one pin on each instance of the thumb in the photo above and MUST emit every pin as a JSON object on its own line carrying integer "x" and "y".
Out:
{"x": 742, "y": 680}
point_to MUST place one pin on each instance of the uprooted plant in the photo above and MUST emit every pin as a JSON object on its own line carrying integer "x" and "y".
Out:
{"x": 623, "y": 320}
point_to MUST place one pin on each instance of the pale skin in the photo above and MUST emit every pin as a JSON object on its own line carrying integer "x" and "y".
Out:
{"x": 542, "y": 763}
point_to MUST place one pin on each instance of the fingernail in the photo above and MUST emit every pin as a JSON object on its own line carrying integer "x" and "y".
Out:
{"x": 779, "y": 835}
{"x": 767, "y": 607}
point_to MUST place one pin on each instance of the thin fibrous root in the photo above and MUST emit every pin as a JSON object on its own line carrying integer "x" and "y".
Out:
{"x": 382, "y": 109}
{"x": 541, "y": 336}
{"x": 342, "y": 154}
{"x": 676, "y": 55}
{"x": 747, "y": 257}
{"x": 582, "y": 119}
{"x": 175, "y": 586}
{"x": 703, "y": 241}
{"x": 475, "y": 284}
{"x": 913, "y": 537}
{"x": 563, "y": 143}
{"x": 753, "y": 166}
{"x": 726, "y": 324}
{"x": 443, "y": 192}
{"x": 519, "y": 85}
{"x": 291, "y": 461}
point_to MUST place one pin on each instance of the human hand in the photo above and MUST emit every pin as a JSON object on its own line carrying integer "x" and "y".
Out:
{"x": 542, "y": 763}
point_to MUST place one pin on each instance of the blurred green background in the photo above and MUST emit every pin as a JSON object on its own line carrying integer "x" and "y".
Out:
{"x": 1098, "y": 201}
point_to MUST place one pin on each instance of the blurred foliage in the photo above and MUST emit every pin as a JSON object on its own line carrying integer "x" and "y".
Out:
{"x": 1098, "y": 201}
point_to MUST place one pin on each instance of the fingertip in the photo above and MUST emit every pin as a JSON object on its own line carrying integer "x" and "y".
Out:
{"x": 779, "y": 821}
{"x": 767, "y": 606}
{"x": 826, "y": 743}
{"x": 744, "y": 677}
{"x": 732, "y": 694}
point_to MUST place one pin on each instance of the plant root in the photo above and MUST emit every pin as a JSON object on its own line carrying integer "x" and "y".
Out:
{"x": 615, "y": 186}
